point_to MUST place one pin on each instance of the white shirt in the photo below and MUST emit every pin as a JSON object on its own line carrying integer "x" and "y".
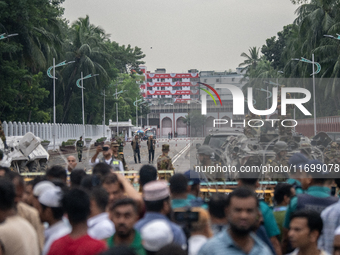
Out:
{"x": 55, "y": 232}
{"x": 121, "y": 167}
{"x": 100, "y": 226}
{"x": 195, "y": 243}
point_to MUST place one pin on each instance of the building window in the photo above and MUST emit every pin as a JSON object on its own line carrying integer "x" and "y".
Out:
{"x": 217, "y": 80}
{"x": 149, "y": 88}
{"x": 205, "y": 80}
{"x": 177, "y": 79}
{"x": 162, "y": 88}
{"x": 233, "y": 79}
{"x": 162, "y": 96}
{"x": 149, "y": 80}
{"x": 162, "y": 80}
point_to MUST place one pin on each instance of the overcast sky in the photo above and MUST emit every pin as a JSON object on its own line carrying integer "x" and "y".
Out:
{"x": 185, "y": 34}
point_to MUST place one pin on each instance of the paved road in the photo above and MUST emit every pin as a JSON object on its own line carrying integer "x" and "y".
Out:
{"x": 182, "y": 152}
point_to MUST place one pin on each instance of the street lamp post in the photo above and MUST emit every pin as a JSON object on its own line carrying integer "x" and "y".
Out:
{"x": 135, "y": 103}
{"x": 4, "y": 36}
{"x": 117, "y": 93}
{"x": 54, "y": 78}
{"x": 82, "y": 94}
{"x": 314, "y": 72}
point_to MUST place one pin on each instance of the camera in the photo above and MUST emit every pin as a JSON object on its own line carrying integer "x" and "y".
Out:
{"x": 186, "y": 216}
{"x": 105, "y": 148}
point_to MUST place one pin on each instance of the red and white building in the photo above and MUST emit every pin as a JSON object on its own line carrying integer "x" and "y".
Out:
{"x": 176, "y": 86}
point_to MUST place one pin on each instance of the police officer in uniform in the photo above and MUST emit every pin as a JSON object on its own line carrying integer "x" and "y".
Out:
{"x": 118, "y": 155}
{"x": 280, "y": 148}
{"x": 306, "y": 149}
{"x": 107, "y": 158}
{"x": 164, "y": 162}
{"x": 80, "y": 146}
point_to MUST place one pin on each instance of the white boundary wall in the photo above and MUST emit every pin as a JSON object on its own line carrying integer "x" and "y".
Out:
{"x": 63, "y": 131}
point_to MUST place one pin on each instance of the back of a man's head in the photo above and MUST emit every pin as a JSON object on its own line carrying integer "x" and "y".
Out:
{"x": 178, "y": 184}
{"x": 241, "y": 193}
{"x": 281, "y": 190}
{"x": 76, "y": 176}
{"x": 147, "y": 173}
{"x": 217, "y": 204}
{"x": 56, "y": 172}
{"x": 101, "y": 169}
{"x": 248, "y": 179}
{"x": 7, "y": 196}
{"x": 101, "y": 198}
{"x": 76, "y": 204}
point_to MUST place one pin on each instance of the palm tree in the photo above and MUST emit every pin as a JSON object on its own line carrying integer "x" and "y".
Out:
{"x": 252, "y": 59}
{"x": 87, "y": 48}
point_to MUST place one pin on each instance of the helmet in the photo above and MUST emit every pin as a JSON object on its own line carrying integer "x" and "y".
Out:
{"x": 280, "y": 146}
{"x": 337, "y": 140}
{"x": 205, "y": 150}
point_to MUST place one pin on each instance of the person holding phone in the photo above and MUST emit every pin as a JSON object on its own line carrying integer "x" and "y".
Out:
{"x": 107, "y": 158}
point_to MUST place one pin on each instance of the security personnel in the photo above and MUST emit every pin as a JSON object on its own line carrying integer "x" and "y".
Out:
{"x": 80, "y": 146}
{"x": 332, "y": 154}
{"x": 306, "y": 149}
{"x": 121, "y": 143}
{"x": 118, "y": 155}
{"x": 164, "y": 162}
{"x": 107, "y": 158}
{"x": 204, "y": 155}
{"x": 249, "y": 131}
{"x": 151, "y": 147}
{"x": 280, "y": 160}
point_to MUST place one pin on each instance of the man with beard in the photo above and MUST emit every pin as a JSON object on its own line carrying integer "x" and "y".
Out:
{"x": 242, "y": 213}
{"x": 124, "y": 214}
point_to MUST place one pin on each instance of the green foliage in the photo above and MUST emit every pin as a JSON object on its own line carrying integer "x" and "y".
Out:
{"x": 26, "y": 93}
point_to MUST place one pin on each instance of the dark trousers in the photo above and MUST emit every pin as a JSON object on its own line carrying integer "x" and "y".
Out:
{"x": 151, "y": 155}
{"x": 135, "y": 154}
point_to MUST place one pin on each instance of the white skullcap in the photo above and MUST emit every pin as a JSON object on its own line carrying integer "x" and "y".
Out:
{"x": 51, "y": 197}
{"x": 156, "y": 190}
{"x": 40, "y": 187}
{"x": 156, "y": 234}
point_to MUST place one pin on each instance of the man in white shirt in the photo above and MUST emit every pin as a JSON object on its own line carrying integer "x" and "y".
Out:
{"x": 99, "y": 225}
{"x": 107, "y": 158}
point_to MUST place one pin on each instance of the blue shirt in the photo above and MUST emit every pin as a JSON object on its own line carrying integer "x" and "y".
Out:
{"x": 222, "y": 243}
{"x": 179, "y": 237}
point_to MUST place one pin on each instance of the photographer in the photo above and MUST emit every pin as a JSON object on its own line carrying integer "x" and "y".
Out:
{"x": 107, "y": 158}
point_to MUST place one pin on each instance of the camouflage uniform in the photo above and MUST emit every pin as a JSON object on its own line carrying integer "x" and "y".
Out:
{"x": 306, "y": 149}
{"x": 164, "y": 162}
{"x": 119, "y": 156}
{"x": 286, "y": 132}
{"x": 121, "y": 143}
{"x": 248, "y": 130}
{"x": 332, "y": 154}
{"x": 279, "y": 161}
{"x": 207, "y": 151}
{"x": 80, "y": 146}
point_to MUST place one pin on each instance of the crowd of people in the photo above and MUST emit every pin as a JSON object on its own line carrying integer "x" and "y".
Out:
{"x": 103, "y": 213}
